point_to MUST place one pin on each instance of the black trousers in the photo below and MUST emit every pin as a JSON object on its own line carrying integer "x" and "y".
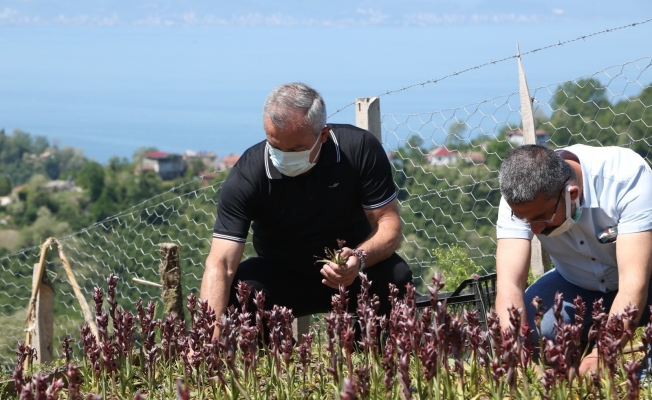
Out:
{"x": 301, "y": 289}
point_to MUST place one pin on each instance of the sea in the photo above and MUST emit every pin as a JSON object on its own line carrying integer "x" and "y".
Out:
{"x": 113, "y": 90}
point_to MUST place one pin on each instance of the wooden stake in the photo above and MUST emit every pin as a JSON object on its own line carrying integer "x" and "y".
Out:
{"x": 36, "y": 284}
{"x": 170, "y": 272}
{"x": 44, "y": 322}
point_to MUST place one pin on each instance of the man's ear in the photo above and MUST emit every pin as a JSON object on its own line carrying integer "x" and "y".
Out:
{"x": 574, "y": 192}
{"x": 324, "y": 133}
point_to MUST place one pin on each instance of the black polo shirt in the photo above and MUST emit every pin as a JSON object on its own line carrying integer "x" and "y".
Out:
{"x": 294, "y": 218}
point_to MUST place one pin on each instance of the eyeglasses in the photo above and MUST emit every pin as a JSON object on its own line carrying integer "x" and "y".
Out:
{"x": 543, "y": 221}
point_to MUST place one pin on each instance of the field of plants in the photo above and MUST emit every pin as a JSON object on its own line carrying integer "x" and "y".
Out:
{"x": 410, "y": 354}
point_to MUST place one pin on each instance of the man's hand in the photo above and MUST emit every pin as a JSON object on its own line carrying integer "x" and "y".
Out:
{"x": 336, "y": 275}
{"x": 589, "y": 363}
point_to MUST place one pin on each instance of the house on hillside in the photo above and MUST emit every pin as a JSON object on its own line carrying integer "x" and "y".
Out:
{"x": 228, "y": 161}
{"x": 167, "y": 165}
{"x": 59, "y": 185}
{"x": 441, "y": 156}
{"x": 516, "y": 136}
{"x": 473, "y": 157}
{"x": 209, "y": 158}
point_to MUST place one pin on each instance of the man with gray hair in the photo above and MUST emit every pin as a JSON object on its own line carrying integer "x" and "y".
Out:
{"x": 591, "y": 208}
{"x": 308, "y": 185}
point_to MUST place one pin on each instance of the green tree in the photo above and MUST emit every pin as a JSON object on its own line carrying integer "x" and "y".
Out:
{"x": 142, "y": 187}
{"x": 40, "y": 144}
{"x": 45, "y": 226}
{"x": 52, "y": 167}
{"x": 117, "y": 164}
{"x": 69, "y": 160}
{"x": 582, "y": 114}
{"x": 34, "y": 197}
{"x": 91, "y": 178}
{"x": 5, "y": 185}
{"x": 497, "y": 149}
{"x": 107, "y": 204}
{"x": 194, "y": 169}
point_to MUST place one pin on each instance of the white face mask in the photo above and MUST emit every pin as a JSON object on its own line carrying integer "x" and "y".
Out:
{"x": 293, "y": 163}
{"x": 570, "y": 220}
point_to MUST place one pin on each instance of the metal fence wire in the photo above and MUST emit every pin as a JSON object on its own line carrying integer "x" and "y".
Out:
{"x": 446, "y": 171}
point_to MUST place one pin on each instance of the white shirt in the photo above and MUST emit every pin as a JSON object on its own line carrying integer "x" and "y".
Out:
{"x": 617, "y": 191}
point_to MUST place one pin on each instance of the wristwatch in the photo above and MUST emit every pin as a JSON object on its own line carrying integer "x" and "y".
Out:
{"x": 361, "y": 264}
{"x": 361, "y": 254}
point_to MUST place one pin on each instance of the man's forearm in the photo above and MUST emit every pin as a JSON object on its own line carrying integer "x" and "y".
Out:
{"x": 634, "y": 257}
{"x": 504, "y": 302}
{"x": 386, "y": 233}
{"x": 512, "y": 264}
{"x": 380, "y": 245}
{"x": 215, "y": 288}
{"x": 221, "y": 265}
{"x": 623, "y": 299}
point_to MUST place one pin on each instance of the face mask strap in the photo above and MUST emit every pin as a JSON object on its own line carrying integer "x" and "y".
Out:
{"x": 313, "y": 147}
{"x": 568, "y": 202}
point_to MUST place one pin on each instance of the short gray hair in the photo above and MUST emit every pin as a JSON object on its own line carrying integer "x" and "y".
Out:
{"x": 289, "y": 99}
{"x": 532, "y": 169}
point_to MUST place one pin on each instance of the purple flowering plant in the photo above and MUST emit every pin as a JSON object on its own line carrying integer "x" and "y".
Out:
{"x": 413, "y": 353}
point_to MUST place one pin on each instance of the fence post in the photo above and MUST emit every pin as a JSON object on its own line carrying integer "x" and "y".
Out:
{"x": 539, "y": 257}
{"x": 44, "y": 320}
{"x": 367, "y": 115}
{"x": 170, "y": 271}
{"x": 300, "y": 325}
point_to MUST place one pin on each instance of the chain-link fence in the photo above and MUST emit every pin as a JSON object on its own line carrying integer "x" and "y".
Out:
{"x": 447, "y": 161}
{"x": 446, "y": 171}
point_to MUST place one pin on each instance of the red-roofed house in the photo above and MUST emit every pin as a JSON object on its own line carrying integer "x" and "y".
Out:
{"x": 473, "y": 157}
{"x": 228, "y": 161}
{"x": 441, "y": 156}
{"x": 516, "y": 136}
{"x": 167, "y": 165}
{"x": 209, "y": 158}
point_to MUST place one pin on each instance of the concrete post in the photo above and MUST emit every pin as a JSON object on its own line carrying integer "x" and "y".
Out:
{"x": 367, "y": 115}
{"x": 539, "y": 257}
{"x": 300, "y": 326}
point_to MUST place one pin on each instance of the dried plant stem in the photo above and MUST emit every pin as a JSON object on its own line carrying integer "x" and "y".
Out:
{"x": 80, "y": 297}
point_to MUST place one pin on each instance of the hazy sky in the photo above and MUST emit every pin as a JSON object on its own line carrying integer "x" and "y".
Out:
{"x": 113, "y": 76}
{"x": 349, "y": 13}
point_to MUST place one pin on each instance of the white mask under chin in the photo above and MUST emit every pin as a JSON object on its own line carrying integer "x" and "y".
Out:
{"x": 570, "y": 220}
{"x": 293, "y": 163}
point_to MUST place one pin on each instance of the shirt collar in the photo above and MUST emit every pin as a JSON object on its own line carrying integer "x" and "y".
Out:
{"x": 589, "y": 196}
{"x": 330, "y": 154}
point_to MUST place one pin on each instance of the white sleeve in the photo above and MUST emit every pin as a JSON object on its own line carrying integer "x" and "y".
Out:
{"x": 635, "y": 203}
{"x": 508, "y": 227}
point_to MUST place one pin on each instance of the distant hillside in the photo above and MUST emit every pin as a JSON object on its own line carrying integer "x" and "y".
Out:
{"x": 293, "y": 12}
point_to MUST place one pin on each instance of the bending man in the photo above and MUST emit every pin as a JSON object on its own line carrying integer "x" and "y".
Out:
{"x": 591, "y": 208}
{"x": 307, "y": 185}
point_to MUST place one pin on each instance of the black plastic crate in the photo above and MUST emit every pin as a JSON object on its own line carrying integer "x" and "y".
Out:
{"x": 472, "y": 294}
